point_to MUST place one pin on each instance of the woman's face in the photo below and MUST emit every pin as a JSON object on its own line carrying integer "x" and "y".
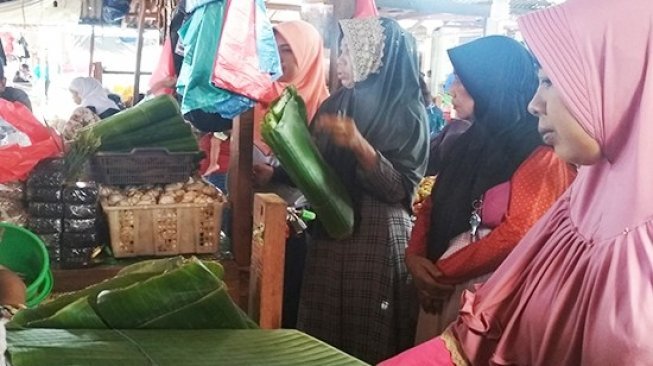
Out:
{"x": 288, "y": 60}
{"x": 463, "y": 103}
{"x": 76, "y": 98}
{"x": 559, "y": 128}
{"x": 344, "y": 66}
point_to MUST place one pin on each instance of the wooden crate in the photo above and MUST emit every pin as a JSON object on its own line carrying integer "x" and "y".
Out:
{"x": 163, "y": 230}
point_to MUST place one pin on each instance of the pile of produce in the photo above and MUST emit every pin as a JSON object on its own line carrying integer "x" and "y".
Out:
{"x": 156, "y": 123}
{"x": 285, "y": 130}
{"x": 193, "y": 191}
{"x": 423, "y": 192}
{"x": 174, "y": 293}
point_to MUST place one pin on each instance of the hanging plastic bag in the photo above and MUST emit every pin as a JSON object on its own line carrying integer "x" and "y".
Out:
{"x": 165, "y": 70}
{"x": 247, "y": 61}
{"x": 200, "y": 36}
{"x": 24, "y": 141}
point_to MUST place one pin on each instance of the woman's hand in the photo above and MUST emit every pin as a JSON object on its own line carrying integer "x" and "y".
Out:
{"x": 344, "y": 133}
{"x": 342, "y": 130}
{"x": 262, "y": 174}
{"x": 432, "y": 293}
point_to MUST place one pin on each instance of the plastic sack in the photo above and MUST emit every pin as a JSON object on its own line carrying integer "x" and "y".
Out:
{"x": 76, "y": 257}
{"x": 247, "y": 61}
{"x": 42, "y": 226}
{"x": 51, "y": 240}
{"x": 79, "y": 240}
{"x": 81, "y": 194}
{"x": 80, "y": 211}
{"x": 285, "y": 131}
{"x": 37, "y": 194}
{"x": 79, "y": 226}
{"x": 45, "y": 210}
{"x": 165, "y": 69}
{"x": 113, "y": 11}
{"x": 24, "y": 141}
{"x": 366, "y": 8}
{"x": 199, "y": 36}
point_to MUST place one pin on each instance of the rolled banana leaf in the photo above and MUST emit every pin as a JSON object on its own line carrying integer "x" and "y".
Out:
{"x": 285, "y": 130}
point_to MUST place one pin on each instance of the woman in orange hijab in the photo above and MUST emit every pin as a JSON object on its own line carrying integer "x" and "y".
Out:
{"x": 302, "y": 61}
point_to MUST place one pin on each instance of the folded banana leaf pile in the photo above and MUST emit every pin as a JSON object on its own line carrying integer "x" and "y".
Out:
{"x": 285, "y": 130}
{"x": 172, "y": 293}
{"x": 104, "y": 347}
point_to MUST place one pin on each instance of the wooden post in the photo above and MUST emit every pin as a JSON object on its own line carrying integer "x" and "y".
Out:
{"x": 139, "y": 51}
{"x": 342, "y": 9}
{"x": 268, "y": 259}
{"x": 241, "y": 195}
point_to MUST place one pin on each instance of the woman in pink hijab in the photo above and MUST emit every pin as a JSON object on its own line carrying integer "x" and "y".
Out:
{"x": 578, "y": 289}
{"x": 302, "y": 60}
{"x": 301, "y": 51}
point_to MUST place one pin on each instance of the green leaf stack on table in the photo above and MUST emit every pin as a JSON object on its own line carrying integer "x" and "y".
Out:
{"x": 162, "y": 294}
{"x": 154, "y": 123}
{"x": 285, "y": 130}
{"x": 223, "y": 347}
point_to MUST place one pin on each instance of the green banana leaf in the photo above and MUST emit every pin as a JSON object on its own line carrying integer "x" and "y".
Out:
{"x": 24, "y": 317}
{"x": 286, "y": 132}
{"x": 173, "y": 293}
{"x": 78, "y": 314}
{"x": 58, "y": 347}
{"x": 161, "y": 297}
{"x": 156, "y": 265}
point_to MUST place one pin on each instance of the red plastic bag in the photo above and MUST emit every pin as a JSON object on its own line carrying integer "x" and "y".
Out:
{"x": 366, "y": 8}
{"x": 165, "y": 71}
{"x": 24, "y": 142}
{"x": 237, "y": 65}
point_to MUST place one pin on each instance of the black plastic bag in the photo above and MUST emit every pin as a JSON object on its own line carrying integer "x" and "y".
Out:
{"x": 81, "y": 194}
{"x": 55, "y": 254}
{"x": 52, "y": 180}
{"x": 76, "y": 240}
{"x": 45, "y": 210}
{"x": 44, "y": 226}
{"x": 113, "y": 11}
{"x": 51, "y": 240}
{"x": 80, "y": 211}
{"x": 44, "y": 195}
{"x": 79, "y": 226}
{"x": 76, "y": 257}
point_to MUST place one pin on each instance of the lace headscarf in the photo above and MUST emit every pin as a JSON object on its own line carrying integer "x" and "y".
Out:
{"x": 385, "y": 103}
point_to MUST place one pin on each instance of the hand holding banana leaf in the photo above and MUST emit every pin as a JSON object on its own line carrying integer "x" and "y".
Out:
{"x": 285, "y": 131}
{"x": 343, "y": 132}
{"x": 341, "y": 129}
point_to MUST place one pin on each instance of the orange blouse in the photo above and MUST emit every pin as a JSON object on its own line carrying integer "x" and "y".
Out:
{"x": 534, "y": 187}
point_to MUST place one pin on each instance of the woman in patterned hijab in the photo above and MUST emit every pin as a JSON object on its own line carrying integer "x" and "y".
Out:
{"x": 373, "y": 132}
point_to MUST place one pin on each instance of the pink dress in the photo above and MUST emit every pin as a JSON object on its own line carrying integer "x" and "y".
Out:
{"x": 578, "y": 289}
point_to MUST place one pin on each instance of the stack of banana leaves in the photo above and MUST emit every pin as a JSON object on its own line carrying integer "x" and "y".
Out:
{"x": 163, "y": 312}
{"x": 285, "y": 130}
{"x": 154, "y": 123}
{"x": 161, "y": 294}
